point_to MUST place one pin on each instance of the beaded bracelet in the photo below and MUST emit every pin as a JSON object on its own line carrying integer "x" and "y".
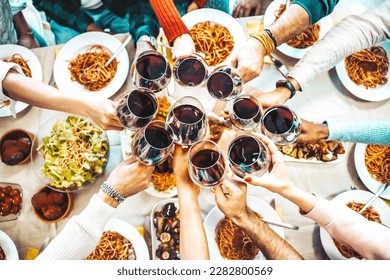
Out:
{"x": 112, "y": 192}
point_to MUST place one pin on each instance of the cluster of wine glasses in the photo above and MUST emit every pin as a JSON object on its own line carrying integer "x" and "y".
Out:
{"x": 186, "y": 122}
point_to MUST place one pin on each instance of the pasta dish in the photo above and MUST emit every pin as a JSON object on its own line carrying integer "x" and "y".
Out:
{"x": 18, "y": 59}
{"x": 163, "y": 179}
{"x": 370, "y": 214}
{"x": 88, "y": 68}
{"x": 214, "y": 40}
{"x": 233, "y": 243}
{"x": 377, "y": 160}
{"x": 306, "y": 38}
{"x": 113, "y": 246}
{"x": 368, "y": 67}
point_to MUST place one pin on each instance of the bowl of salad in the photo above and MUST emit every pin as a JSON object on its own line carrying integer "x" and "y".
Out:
{"x": 72, "y": 152}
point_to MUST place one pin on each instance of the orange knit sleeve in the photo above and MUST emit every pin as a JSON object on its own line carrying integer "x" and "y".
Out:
{"x": 169, "y": 18}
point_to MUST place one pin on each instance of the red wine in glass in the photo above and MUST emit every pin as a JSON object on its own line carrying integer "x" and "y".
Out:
{"x": 281, "y": 124}
{"x": 207, "y": 166}
{"x": 245, "y": 114}
{"x": 188, "y": 121}
{"x": 248, "y": 155}
{"x": 153, "y": 144}
{"x": 224, "y": 83}
{"x": 151, "y": 70}
{"x": 190, "y": 71}
{"x": 137, "y": 108}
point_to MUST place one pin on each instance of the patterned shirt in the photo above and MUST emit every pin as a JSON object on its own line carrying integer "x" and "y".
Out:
{"x": 7, "y": 30}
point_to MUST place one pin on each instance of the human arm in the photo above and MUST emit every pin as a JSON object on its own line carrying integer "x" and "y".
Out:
{"x": 342, "y": 223}
{"x": 21, "y": 88}
{"x": 244, "y": 8}
{"x": 233, "y": 205}
{"x": 354, "y": 33}
{"x": 191, "y": 224}
{"x": 81, "y": 234}
{"x": 364, "y": 131}
{"x": 25, "y": 35}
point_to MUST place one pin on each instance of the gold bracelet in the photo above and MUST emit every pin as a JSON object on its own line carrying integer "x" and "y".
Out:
{"x": 266, "y": 41}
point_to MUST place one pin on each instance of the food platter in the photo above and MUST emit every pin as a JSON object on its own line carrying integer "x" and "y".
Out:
{"x": 215, "y": 215}
{"x": 221, "y": 18}
{"x": 55, "y": 151}
{"x": 80, "y": 44}
{"x": 132, "y": 234}
{"x": 6, "y": 51}
{"x": 325, "y": 23}
{"x": 372, "y": 94}
{"x": 8, "y": 246}
{"x": 158, "y": 207}
{"x": 362, "y": 171}
{"x": 343, "y": 198}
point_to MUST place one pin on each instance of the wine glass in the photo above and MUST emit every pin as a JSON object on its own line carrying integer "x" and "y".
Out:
{"x": 136, "y": 108}
{"x": 224, "y": 83}
{"x": 281, "y": 124}
{"x": 151, "y": 70}
{"x": 188, "y": 121}
{"x": 152, "y": 144}
{"x": 190, "y": 70}
{"x": 245, "y": 112}
{"x": 206, "y": 167}
{"x": 248, "y": 155}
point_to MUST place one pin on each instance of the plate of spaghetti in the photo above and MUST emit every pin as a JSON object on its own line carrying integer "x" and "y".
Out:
{"x": 297, "y": 47}
{"x": 120, "y": 241}
{"x": 372, "y": 164}
{"x": 215, "y": 33}
{"x": 365, "y": 73}
{"x": 79, "y": 66}
{"x": 355, "y": 199}
{"x": 8, "y": 249}
{"x": 28, "y": 62}
{"x": 227, "y": 241}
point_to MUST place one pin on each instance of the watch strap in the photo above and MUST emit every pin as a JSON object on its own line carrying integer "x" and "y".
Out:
{"x": 287, "y": 84}
{"x": 108, "y": 189}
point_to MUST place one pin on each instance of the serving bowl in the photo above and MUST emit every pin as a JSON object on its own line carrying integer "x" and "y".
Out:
{"x": 72, "y": 152}
{"x": 15, "y": 146}
{"x": 51, "y": 206}
{"x": 8, "y": 247}
{"x": 11, "y": 201}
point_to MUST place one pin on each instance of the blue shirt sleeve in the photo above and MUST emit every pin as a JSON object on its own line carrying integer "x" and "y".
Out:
{"x": 317, "y": 9}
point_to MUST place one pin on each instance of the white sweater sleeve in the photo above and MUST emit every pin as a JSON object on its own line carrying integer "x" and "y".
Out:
{"x": 81, "y": 234}
{"x": 370, "y": 239}
{"x": 5, "y": 67}
{"x": 352, "y": 34}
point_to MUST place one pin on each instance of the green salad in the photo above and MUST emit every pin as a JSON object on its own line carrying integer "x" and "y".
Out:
{"x": 74, "y": 153}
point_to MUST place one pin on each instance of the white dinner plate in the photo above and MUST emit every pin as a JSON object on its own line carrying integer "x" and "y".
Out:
{"x": 221, "y": 18}
{"x": 362, "y": 171}
{"x": 215, "y": 215}
{"x": 132, "y": 234}
{"x": 372, "y": 94}
{"x": 6, "y": 51}
{"x": 8, "y": 246}
{"x": 343, "y": 198}
{"x": 79, "y": 45}
{"x": 325, "y": 23}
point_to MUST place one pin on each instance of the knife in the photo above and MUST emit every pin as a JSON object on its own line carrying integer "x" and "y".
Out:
{"x": 280, "y": 66}
{"x": 279, "y": 224}
{"x": 372, "y": 199}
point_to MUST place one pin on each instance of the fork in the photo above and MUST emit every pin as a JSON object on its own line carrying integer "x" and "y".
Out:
{"x": 280, "y": 66}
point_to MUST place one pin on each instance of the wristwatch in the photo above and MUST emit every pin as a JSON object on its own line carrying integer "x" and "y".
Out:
{"x": 150, "y": 39}
{"x": 287, "y": 84}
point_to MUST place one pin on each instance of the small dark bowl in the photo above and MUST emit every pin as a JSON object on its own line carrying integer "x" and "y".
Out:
{"x": 66, "y": 206}
{"x": 16, "y": 134}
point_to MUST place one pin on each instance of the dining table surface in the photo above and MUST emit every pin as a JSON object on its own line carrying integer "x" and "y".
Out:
{"x": 323, "y": 98}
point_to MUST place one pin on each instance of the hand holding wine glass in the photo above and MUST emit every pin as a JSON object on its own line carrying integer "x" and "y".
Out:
{"x": 224, "y": 83}
{"x": 153, "y": 144}
{"x": 190, "y": 70}
{"x": 136, "y": 108}
{"x": 245, "y": 113}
